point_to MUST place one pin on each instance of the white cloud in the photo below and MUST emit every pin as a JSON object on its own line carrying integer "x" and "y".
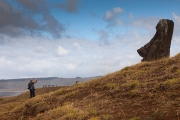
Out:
{"x": 77, "y": 46}
{"x": 90, "y": 60}
{"x": 175, "y": 49}
{"x": 104, "y": 37}
{"x": 113, "y": 17}
{"x": 131, "y": 15}
{"x": 62, "y": 51}
{"x": 176, "y": 24}
{"x": 72, "y": 57}
{"x": 176, "y": 17}
{"x": 117, "y": 22}
{"x": 118, "y": 10}
{"x": 146, "y": 23}
{"x": 40, "y": 49}
{"x": 71, "y": 66}
{"x": 5, "y": 62}
{"x": 109, "y": 15}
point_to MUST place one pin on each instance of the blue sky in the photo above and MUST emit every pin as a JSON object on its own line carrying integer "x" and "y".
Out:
{"x": 70, "y": 38}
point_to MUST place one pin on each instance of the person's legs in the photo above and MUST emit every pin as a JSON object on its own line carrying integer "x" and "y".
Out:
{"x": 31, "y": 93}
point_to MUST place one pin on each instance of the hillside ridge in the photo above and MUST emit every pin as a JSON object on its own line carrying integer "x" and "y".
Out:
{"x": 147, "y": 90}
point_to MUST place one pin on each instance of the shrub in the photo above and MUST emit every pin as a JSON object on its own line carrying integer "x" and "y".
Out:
{"x": 112, "y": 86}
{"x": 131, "y": 84}
{"x": 59, "y": 92}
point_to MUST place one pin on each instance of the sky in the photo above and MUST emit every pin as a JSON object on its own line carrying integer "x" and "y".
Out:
{"x": 78, "y": 38}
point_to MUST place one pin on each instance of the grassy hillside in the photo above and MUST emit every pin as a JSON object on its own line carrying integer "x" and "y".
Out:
{"x": 145, "y": 91}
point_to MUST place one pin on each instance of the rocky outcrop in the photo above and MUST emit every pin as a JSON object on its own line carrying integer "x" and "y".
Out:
{"x": 159, "y": 45}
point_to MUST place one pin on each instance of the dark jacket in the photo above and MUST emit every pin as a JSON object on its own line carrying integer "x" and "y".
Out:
{"x": 31, "y": 85}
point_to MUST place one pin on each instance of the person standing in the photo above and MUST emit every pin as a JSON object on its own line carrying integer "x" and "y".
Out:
{"x": 31, "y": 87}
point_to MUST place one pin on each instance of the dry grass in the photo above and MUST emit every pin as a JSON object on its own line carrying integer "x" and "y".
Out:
{"x": 145, "y": 91}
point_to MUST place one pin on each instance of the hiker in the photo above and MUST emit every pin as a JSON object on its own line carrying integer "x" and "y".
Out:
{"x": 31, "y": 87}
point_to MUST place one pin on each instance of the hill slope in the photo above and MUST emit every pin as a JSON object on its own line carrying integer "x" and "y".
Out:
{"x": 148, "y": 90}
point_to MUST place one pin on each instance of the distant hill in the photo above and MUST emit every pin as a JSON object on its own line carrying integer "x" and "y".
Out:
{"x": 145, "y": 91}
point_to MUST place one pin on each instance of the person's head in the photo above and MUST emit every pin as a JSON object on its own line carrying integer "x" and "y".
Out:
{"x": 31, "y": 80}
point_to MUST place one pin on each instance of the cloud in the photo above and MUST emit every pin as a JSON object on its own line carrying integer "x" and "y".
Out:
{"x": 9, "y": 19}
{"x": 72, "y": 57}
{"x": 33, "y": 5}
{"x": 176, "y": 36}
{"x": 71, "y": 66}
{"x": 113, "y": 17}
{"x": 93, "y": 14}
{"x": 103, "y": 37}
{"x": 62, "y": 51}
{"x": 36, "y": 56}
{"x": 30, "y": 17}
{"x": 40, "y": 49}
{"x": 131, "y": 15}
{"x": 68, "y": 57}
{"x": 176, "y": 23}
{"x": 117, "y": 10}
{"x": 109, "y": 15}
{"x": 77, "y": 46}
{"x": 146, "y": 23}
{"x": 69, "y": 6}
{"x": 176, "y": 17}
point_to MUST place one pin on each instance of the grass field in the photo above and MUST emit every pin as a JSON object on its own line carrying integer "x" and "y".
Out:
{"x": 145, "y": 91}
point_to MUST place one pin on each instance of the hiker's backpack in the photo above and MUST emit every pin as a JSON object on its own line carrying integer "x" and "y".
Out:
{"x": 29, "y": 85}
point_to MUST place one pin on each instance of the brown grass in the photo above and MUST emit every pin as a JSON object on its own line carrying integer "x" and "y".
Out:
{"x": 145, "y": 91}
